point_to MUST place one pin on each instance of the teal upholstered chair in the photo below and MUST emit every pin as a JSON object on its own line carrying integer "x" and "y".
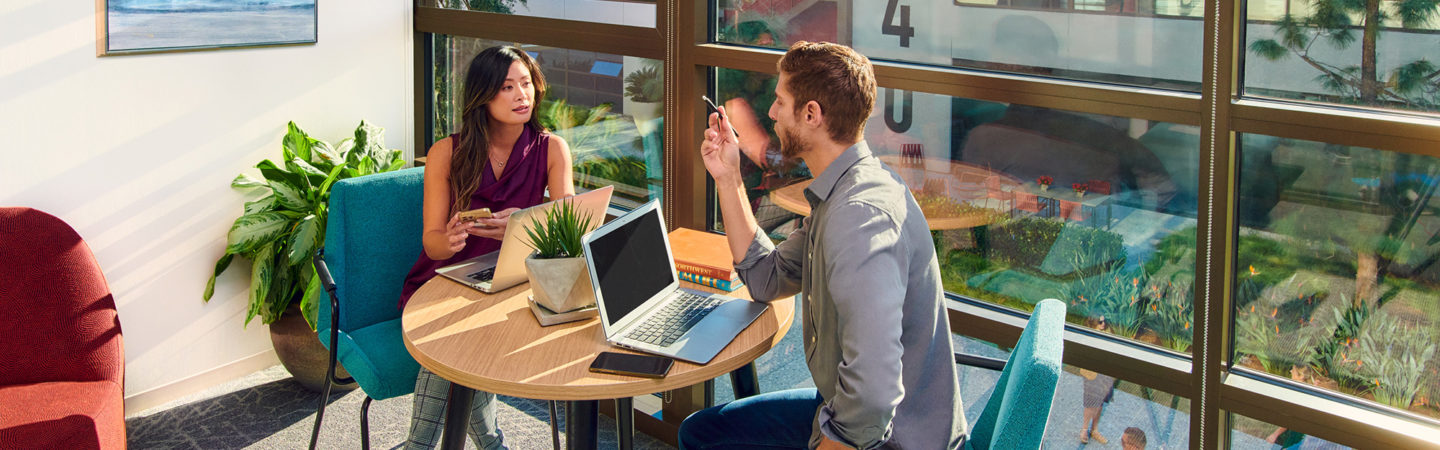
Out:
{"x": 372, "y": 237}
{"x": 1019, "y": 408}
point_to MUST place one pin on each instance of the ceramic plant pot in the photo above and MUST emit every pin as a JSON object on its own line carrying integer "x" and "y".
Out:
{"x": 560, "y": 284}
{"x": 301, "y": 352}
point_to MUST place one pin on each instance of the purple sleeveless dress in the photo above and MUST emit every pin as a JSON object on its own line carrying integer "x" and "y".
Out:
{"x": 521, "y": 185}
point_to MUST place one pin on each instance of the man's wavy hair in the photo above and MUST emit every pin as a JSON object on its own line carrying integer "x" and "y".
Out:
{"x": 837, "y": 77}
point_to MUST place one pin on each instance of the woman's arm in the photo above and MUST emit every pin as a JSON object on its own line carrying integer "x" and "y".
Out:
{"x": 560, "y": 169}
{"x": 444, "y": 234}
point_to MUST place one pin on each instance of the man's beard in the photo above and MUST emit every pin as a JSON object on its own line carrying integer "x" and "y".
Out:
{"x": 790, "y": 146}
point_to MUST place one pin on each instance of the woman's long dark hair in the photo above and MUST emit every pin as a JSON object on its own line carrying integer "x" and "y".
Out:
{"x": 483, "y": 80}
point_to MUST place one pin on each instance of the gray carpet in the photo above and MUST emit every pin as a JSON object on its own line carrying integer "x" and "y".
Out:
{"x": 269, "y": 410}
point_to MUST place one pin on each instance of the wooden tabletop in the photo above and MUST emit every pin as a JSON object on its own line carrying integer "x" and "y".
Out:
{"x": 491, "y": 342}
{"x": 961, "y": 182}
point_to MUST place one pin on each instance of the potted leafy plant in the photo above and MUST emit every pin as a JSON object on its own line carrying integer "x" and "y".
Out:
{"x": 644, "y": 92}
{"x": 558, "y": 276}
{"x": 279, "y": 233}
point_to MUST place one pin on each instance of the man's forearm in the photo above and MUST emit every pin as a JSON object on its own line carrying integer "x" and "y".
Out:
{"x": 740, "y": 224}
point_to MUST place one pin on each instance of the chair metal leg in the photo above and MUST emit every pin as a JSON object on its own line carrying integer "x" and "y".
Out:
{"x": 320, "y": 410}
{"x": 744, "y": 381}
{"x": 365, "y": 423}
{"x": 554, "y": 427}
{"x": 625, "y": 423}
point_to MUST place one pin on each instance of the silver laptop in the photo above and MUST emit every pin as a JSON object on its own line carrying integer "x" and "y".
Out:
{"x": 642, "y": 306}
{"x": 504, "y": 268}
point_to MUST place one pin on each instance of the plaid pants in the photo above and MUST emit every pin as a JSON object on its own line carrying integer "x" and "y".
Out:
{"x": 431, "y": 393}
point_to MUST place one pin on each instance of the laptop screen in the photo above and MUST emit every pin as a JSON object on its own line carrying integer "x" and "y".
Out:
{"x": 632, "y": 264}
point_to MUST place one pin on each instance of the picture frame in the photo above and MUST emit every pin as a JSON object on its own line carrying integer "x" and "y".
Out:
{"x": 152, "y": 26}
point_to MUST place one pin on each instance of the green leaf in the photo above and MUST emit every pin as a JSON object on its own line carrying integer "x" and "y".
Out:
{"x": 304, "y": 240}
{"x": 262, "y": 273}
{"x": 290, "y": 196}
{"x": 322, "y": 152}
{"x": 310, "y": 301}
{"x": 275, "y": 173}
{"x": 1269, "y": 49}
{"x": 252, "y": 231}
{"x": 346, "y": 151}
{"x": 297, "y": 144}
{"x": 1413, "y": 77}
{"x": 220, "y": 266}
{"x": 282, "y": 288}
{"x": 330, "y": 180}
{"x": 366, "y": 166}
{"x": 298, "y": 165}
{"x": 313, "y": 176}
{"x": 245, "y": 181}
{"x": 1416, "y": 13}
{"x": 370, "y": 140}
{"x": 397, "y": 161}
{"x": 264, "y": 204}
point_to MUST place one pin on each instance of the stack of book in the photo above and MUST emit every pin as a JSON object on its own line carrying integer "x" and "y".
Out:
{"x": 704, "y": 258}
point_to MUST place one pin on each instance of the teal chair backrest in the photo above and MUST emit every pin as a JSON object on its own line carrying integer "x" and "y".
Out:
{"x": 1019, "y": 408}
{"x": 372, "y": 238}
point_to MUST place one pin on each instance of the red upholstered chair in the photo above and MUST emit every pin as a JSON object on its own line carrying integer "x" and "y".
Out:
{"x": 62, "y": 361}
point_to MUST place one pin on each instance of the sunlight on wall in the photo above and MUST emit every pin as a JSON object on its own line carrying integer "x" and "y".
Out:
{"x": 137, "y": 153}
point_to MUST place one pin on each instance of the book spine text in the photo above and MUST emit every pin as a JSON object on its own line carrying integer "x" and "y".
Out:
{"x": 724, "y": 285}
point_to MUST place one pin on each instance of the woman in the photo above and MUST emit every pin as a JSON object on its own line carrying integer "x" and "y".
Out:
{"x": 1099, "y": 390}
{"x": 500, "y": 159}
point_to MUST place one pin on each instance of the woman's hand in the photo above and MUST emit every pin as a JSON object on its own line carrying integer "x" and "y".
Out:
{"x": 456, "y": 232}
{"x": 494, "y": 226}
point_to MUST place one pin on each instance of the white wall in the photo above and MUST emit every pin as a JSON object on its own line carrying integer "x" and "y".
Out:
{"x": 137, "y": 153}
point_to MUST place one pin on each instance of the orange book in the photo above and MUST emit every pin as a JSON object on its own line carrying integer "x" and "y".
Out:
{"x": 703, "y": 254}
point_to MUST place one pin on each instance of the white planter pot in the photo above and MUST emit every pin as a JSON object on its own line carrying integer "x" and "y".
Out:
{"x": 560, "y": 284}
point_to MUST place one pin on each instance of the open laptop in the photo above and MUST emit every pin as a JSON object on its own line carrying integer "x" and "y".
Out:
{"x": 642, "y": 306}
{"x": 504, "y": 268}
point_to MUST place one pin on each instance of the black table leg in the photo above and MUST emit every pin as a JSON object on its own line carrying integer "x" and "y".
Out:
{"x": 457, "y": 417}
{"x": 744, "y": 381}
{"x": 581, "y": 425}
{"x": 625, "y": 423}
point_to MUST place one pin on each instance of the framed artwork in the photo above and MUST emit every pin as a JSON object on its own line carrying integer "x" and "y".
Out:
{"x": 149, "y": 26}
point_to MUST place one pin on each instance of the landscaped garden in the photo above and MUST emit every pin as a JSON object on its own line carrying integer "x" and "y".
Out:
{"x": 1296, "y": 314}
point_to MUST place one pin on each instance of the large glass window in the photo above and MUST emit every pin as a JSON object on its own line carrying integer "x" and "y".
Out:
{"x": 1247, "y": 433}
{"x": 1038, "y": 37}
{"x": 636, "y": 13}
{"x": 1086, "y": 403}
{"x": 1025, "y": 203}
{"x": 607, "y": 107}
{"x": 1337, "y": 280}
{"x": 1333, "y": 51}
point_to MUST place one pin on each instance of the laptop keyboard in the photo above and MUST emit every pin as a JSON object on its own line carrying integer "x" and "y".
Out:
{"x": 674, "y": 319}
{"x": 484, "y": 275}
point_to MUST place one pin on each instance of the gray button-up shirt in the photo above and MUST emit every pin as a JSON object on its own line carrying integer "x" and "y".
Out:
{"x": 877, "y": 338}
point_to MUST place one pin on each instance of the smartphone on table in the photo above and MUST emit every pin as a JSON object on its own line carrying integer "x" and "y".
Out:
{"x": 648, "y": 366}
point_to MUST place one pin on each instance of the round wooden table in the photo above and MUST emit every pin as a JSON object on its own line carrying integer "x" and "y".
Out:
{"x": 985, "y": 193}
{"x": 492, "y": 342}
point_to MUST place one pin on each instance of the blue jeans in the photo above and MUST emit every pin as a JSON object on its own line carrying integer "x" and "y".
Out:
{"x": 766, "y": 421}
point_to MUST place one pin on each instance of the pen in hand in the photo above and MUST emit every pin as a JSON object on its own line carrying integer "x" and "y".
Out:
{"x": 722, "y": 115}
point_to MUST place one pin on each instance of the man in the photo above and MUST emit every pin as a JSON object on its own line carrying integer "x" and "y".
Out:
{"x": 1133, "y": 439}
{"x": 876, "y": 336}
